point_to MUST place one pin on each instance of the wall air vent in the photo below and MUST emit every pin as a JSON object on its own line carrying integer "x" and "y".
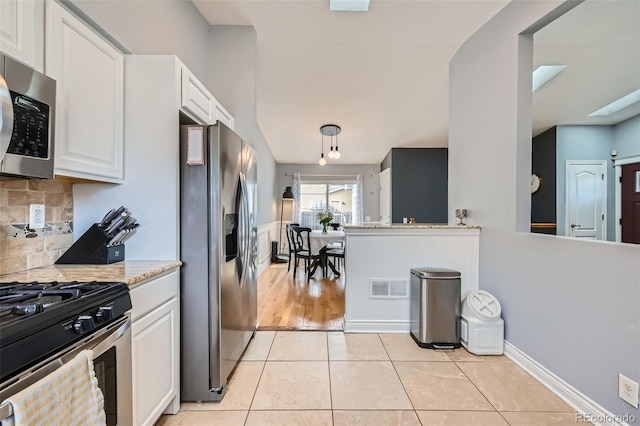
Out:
{"x": 379, "y": 288}
{"x": 398, "y": 288}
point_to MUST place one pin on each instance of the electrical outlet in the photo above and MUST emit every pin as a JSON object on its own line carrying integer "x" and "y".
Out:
{"x": 628, "y": 390}
{"x": 36, "y": 216}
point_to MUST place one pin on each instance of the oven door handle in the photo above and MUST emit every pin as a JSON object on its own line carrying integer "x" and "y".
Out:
{"x": 34, "y": 374}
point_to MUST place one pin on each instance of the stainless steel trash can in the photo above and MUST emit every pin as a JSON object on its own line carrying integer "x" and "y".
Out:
{"x": 435, "y": 308}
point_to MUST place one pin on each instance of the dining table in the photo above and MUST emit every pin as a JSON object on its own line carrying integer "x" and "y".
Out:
{"x": 318, "y": 242}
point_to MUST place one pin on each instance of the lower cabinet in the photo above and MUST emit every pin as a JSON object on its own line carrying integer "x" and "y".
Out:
{"x": 155, "y": 345}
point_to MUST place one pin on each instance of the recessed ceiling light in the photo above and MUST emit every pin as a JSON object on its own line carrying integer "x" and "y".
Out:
{"x": 349, "y": 5}
{"x": 619, "y": 104}
{"x": 544, "y": 73}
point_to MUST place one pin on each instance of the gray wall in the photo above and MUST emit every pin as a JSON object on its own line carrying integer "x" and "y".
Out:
{"x": 370, "y": 181}
{"x": 626, "y": 136}
{"x": 584, "y": 143}
{"x": 543, "y": 164}
{"x": 154, "y": 28}
{"x": 233, "y": 83}
{"x": 572, "y": 306}
{"x": 419, "y": 184}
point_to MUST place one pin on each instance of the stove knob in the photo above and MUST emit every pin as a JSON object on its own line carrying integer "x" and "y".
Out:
{"x": 83, "y": 324}
{"x": 104, "y": 314}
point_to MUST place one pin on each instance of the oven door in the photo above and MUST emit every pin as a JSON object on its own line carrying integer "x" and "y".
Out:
{"x": 111, "y": 348}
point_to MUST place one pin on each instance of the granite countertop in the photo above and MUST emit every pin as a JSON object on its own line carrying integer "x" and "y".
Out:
{"x": 129, "y": 272}
{"x": 413, "y": 226}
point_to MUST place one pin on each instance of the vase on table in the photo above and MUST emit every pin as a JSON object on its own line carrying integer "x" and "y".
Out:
{"x": 324, "y": 228}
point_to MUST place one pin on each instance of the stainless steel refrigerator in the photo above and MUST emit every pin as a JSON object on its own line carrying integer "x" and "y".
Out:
{"x": 218, "y": 244}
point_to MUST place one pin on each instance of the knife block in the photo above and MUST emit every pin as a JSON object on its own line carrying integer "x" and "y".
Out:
{"x": 91, "y": 248}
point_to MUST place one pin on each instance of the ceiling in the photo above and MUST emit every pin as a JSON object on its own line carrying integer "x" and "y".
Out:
{"x": 599, "y": 41}
{"x": 382, "y": 75}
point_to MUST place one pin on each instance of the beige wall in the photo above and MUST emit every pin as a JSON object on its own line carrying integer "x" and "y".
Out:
{"x": 23, "y": 248}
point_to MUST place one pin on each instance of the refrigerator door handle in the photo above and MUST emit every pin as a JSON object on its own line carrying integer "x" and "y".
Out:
{"x": 245, "y": 229}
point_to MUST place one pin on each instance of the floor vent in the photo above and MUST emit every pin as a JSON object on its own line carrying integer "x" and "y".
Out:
{"x": 387, "y": 288}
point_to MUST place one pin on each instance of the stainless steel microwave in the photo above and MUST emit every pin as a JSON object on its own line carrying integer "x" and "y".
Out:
{"x": 27, "y": 100}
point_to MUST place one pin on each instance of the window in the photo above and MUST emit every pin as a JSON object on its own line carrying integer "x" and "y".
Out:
{"x": 336, "y": 197}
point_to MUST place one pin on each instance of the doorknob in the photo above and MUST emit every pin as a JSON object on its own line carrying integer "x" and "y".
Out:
{"x": 573, "y": 225}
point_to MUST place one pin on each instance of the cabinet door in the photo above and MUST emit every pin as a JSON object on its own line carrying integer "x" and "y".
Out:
{"x": 224, "y": 116}
{"x": 196, "y": 99}
{"x": 90, "y": 98}
{"x": 22, "y": 31}
{"x": 154, "y": 349}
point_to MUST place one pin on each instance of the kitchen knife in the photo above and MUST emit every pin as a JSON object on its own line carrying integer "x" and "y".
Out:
{"x": 111, "y": 216}
{"x": 115, "y": 224}
{"x": 129, "y": 220}
{"x": 113, "y": 241}
{"x": 128, "y": 235}
{"x": 107, "y": 218}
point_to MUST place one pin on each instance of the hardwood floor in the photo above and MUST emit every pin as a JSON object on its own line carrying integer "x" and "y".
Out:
{"x": 285, "y": 303}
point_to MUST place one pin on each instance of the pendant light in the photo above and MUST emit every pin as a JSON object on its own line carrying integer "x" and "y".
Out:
{"x": 322, "y": 160}
{"x": 330, "y": 130}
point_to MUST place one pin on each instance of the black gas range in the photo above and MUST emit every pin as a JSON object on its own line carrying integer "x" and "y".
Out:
{"x": 38, "y": 319}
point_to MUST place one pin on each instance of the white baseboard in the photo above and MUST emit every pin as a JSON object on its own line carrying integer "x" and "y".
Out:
{"x": 372, "y": 326}
{"x": 591, "y": 410}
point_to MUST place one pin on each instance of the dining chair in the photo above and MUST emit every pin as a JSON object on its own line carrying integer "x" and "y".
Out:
{"x": 336, "y": 251}
{"x": 302, "y": 243}
{"x": 290, "y": 242}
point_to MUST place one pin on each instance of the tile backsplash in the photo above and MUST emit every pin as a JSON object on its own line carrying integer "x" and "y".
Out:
{"x": 22, "y": 247}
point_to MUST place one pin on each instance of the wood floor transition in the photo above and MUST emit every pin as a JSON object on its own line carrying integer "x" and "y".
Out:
{"x": 288, "y": 303}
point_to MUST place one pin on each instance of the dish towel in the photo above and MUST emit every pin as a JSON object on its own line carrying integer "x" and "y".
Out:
{"x": 69, "y": 396}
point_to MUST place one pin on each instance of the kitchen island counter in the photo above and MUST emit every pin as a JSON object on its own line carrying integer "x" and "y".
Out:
{"x": 130, "y": 272}
{"x": 379, "y": 259}
{"x": 410, "y": 226}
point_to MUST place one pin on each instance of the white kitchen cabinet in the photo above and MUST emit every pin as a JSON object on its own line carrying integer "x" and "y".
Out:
{"x": 199, "y": 103}
{"x": 22, "y": 31}
{"x": 89, "y": 134}
{"x": 196, "y": 100}
{"x": 224, "y": 116}
{"x": 155, "y": 348}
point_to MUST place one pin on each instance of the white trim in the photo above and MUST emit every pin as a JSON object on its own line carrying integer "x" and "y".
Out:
{"x": 629, "y": 159}
{"x": 618, "y": 163}
{"x": 605, "y": 213}
{"x": 576, "y": 399}
{"x": 373, "y": 326}
{"x": 267, "y": 232}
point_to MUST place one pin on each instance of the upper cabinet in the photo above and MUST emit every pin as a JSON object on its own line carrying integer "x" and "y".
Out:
{"x": 199, "y": 103}
{"x": 90, "y": 98}
{"x": 22, "y": 31}
{"x": 196, "y": 100}
{"x": 224, "y": 116}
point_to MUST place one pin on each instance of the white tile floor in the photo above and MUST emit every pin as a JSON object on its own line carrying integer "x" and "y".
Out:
{"x": 331, "y": 378}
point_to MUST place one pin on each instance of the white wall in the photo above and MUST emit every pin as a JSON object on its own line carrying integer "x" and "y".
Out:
{"x": 572, "y": 306}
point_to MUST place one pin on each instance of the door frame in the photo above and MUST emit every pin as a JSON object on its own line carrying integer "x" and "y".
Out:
{"x": 567, "y": 219}
{"x": 618, "y": 163}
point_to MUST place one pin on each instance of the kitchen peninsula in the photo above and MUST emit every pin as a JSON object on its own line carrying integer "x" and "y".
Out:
{"x": 379, "y": 259}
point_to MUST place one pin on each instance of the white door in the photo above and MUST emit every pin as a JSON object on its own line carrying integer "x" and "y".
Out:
{"x": 586, "y": 199}
{"x": 385, "y": 197}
